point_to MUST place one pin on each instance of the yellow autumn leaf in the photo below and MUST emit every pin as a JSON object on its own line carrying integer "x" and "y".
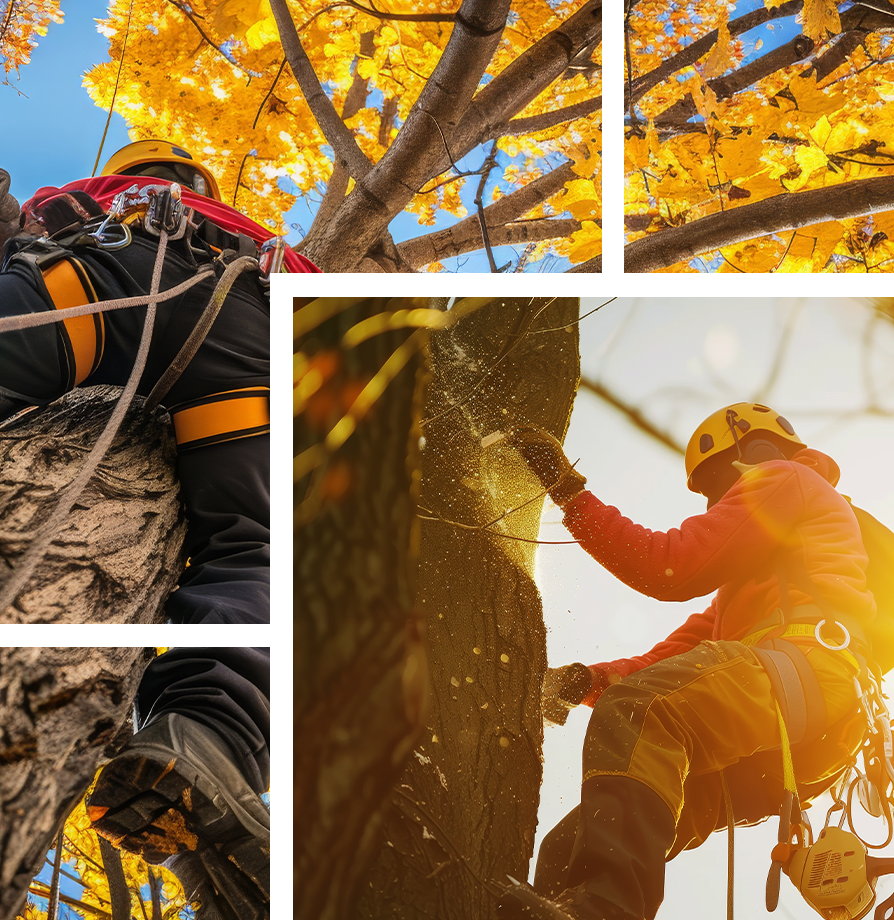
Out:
{"x": 820, "y": 17}
{"x": 586, "y": 243}
{"x": 810, "y": 158}
{"x": 720, "y": 58}
{"x": 261, "y": 33}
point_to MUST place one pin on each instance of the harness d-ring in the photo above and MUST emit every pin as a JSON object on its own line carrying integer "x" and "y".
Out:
{"x": 824, "y": 644}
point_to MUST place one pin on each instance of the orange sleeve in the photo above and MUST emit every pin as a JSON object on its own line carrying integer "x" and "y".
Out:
{"x": 739, "y": 534}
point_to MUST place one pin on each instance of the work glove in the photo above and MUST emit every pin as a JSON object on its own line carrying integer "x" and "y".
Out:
{"x": 547, "y": 461}
{"x": 566, "y": 687}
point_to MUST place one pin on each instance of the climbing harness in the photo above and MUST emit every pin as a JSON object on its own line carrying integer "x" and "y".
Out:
{"x": 77, "y": 220}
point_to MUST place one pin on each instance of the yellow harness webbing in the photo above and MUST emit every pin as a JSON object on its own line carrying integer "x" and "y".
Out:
{"x": 84, "y": 336}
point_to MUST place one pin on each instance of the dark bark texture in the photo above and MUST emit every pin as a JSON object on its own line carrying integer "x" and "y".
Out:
{"x": 360, "y": 663}
{"x": 465, "y": 810}
{"x": 115, "y": 560}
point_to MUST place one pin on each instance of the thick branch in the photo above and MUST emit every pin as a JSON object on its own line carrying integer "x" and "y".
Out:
{"x": 700, "y": 47}
{"x": 418, "y": 152}
{"x": 527, "y": 77}
{"x": 337, "y": 135}
{"x": 386, "y": 255}
{"x": 789, "y": 211}
{"x": 557, "y": 117}
{"x": 724, "y": 87}
{"x": 593, "y": 265}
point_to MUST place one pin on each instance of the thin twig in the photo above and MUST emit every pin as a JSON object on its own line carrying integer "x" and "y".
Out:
{"x": 254, "y": 124}
{"x": 489, "y": 163}
{"x": 204, "y": 35}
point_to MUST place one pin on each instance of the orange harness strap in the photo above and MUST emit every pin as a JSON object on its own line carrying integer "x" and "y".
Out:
{"x": 220, "y": 417}
{"x": 83, "y": 336}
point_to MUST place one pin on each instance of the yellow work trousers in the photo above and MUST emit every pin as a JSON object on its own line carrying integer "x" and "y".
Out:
{"x": 675, "y": 725}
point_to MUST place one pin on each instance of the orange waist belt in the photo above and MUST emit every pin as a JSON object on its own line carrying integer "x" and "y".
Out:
{"x": 220, "y": 417}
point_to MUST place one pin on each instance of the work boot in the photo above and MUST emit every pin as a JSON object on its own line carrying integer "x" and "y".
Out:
{"x": 175, "y": 796}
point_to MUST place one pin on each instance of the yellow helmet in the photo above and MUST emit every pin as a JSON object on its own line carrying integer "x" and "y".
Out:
{"x": 129, "y": 160}
{"x": 721, "y": 430}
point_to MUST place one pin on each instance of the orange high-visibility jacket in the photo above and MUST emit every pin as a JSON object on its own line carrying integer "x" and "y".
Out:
{"x": 782, "y": 509}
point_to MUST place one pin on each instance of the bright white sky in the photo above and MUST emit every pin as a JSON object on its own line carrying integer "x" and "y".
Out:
{"x": 680, "y": 360}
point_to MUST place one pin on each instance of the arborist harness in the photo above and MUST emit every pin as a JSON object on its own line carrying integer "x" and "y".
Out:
{"x": 833, "y": 872}
{"x": 74, "y": 220}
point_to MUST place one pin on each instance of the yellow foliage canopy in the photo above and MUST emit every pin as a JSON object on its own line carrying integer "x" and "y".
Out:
{"x": 696, "y": 141}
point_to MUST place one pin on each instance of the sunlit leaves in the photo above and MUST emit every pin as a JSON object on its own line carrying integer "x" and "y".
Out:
{"x": 21, "y": 22}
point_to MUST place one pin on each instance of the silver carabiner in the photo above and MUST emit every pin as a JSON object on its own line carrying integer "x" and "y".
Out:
{"x": 104, "y": 241}
{"x": 824, "y": 644}
{"x": 270, "y": 257}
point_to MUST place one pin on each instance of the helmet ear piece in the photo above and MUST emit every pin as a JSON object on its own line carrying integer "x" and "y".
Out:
{"x": 760, "y": 451}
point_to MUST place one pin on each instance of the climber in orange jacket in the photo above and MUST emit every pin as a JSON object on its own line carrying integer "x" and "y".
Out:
{"x": 782, "y": 549}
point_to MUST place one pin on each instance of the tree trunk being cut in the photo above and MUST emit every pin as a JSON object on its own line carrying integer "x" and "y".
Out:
{"x": 115, "y": 558}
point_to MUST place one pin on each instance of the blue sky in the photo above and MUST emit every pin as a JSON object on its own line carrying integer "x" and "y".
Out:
{"x": 52, "y": 130}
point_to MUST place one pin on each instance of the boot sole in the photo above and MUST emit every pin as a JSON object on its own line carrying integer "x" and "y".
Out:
{"x": 176, "y": 810}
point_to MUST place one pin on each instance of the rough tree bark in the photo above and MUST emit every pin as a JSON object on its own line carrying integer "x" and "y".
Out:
{"x": 115, "y": 560}
{"x": 360, "y": 663}
{"x": 465, "y": 809}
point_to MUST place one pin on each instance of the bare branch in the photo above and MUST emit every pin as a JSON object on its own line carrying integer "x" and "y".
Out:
{"x": 788, "y": 211}
{"x": 489, "y": 163}
{"x": 557, "y": 117}
{"x": 635, "y": 416}
{"x": 345, "y": 148}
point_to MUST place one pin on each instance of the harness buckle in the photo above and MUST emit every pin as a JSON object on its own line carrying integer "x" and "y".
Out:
{"x": 271, "y": 257}
{"x": 822, "y": 641}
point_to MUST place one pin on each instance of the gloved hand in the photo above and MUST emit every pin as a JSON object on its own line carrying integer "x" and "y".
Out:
{"x": 566, "y": 687}
{"x": 547, "y": 461}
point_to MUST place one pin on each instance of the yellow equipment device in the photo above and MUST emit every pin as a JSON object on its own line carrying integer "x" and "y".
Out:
{"x": 836, "y": 876}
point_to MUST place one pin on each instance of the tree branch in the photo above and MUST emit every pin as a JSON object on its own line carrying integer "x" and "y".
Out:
{"x": 526, "y": 77}
{"x": 396, "y": 17}
{"x": 337, "y": 135}
{"x": 557, "y": 117}
{"x": 634, "y": 415}
{"x": 724, "y": 87}
{"x": 700, "y": 47}
{"x": 788, "y": 211}
{"x": 205, "y": 36}
{"x": 591, "y": 265}
{"x": 337, "y": 187}
{"x": 387, "y": 256}
{"x": 417, "y": 153}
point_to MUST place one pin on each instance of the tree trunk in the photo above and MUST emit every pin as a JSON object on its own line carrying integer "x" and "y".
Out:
{"x": 465, "y": 810}
{"x": 115, "y": 559}
{"x": 360, "y": 668}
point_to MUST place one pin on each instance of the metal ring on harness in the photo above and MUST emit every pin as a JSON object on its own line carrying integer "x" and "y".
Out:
{"x": 105, "y": 241}
{"x": 824, "y": 644}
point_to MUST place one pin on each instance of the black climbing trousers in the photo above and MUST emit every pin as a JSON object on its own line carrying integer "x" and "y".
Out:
{"x": 225, "y": 486}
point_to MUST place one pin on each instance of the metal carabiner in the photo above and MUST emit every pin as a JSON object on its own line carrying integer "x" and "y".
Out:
{"x": 824, "y": 644}
{"x": 102, "y": 239}
{"x": 270, "y": 257}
